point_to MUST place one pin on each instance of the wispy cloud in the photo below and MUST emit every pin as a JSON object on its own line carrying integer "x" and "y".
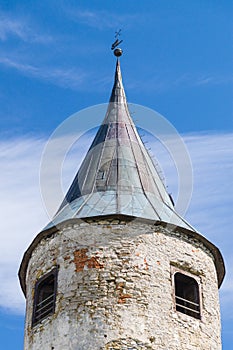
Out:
{"x": 210, "y": 210}
{"x": 103, "y": 19}
{"x": 23, "y": 215}
{"x": 64, "y": 77}
{"x": 21, "y": 212}
{"x": 10, "y": 27}
{"x": 156, "y": 82}
{"x": 212, "y": 162}
{"x": 21, "y": 28}
{"x": 213, "y": 79}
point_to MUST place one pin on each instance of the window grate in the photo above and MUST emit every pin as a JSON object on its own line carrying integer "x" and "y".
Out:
{"x": 45, "y": 297}
{"x": 187, "y": 298}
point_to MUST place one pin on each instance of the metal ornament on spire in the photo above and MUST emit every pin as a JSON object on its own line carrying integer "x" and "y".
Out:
{"x": 117, "y": 51}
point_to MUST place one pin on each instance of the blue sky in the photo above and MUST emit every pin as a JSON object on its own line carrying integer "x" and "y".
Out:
{"x": 55, "y": 60}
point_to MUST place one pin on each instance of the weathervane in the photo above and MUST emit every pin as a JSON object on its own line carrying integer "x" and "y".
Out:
{"x": 117, "y": 51}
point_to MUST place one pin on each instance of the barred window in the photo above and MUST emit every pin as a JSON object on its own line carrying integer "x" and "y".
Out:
{"x": 187, "y": 295}
{"x": 45, "y": 296}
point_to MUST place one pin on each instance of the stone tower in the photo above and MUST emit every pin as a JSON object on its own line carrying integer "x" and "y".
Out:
{"x": 118, "y": 268}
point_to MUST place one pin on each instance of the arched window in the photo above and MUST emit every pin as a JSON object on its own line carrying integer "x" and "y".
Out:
{"x": 45, "y": 296}
{"x": 187, "y": 296}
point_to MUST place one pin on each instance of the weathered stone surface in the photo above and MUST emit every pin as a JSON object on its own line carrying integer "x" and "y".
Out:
{"x": 126, "y": 344}
{"x": 115, "y": 289}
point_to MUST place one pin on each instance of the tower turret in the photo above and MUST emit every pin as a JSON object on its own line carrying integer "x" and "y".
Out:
{"x": 118, "y": 267}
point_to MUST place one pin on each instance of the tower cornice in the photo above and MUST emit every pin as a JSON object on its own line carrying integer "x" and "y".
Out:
{"x": 183, "y": 233}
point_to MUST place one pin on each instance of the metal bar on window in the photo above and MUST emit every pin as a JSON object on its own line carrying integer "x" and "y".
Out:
{"x": 44, "y": 300}
{"x": 191, "y": 302}
{"x": 46, "y": 305}
{"x": 187, "y": 308}
{"x": 46, "y": 312}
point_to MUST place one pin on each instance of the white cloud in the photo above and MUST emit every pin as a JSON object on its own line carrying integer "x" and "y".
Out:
{"x": 103, "y": 19}
{"x": 213, "y": 79}
{"x": 211, "y": 207}
{"x": 22, "y": 29}
{"x": 60, "y": 76}
{"x": 9, "y": 27}
{"x": 210, "y": 210}
{"x": 23, "y": 215}
{"x": 21, "y": 212}
{"x": 156, "y": 82}
{"x": 212, "y": 162}
{"x": 75, "y": 78}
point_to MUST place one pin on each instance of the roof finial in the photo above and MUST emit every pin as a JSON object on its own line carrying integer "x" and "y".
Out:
{"x": 117, "y": 51}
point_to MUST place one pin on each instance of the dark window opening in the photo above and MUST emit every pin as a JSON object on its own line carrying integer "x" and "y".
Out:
{"x": 187, "y": 295}
{"x": 45, "y": 296}
{"x": 101, "y": 175}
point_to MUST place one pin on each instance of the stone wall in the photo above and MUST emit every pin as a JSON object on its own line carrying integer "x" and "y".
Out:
{"x": 115, "y": 289}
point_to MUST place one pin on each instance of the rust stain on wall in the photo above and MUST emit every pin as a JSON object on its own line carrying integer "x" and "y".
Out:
{"x": 122, "y": 296}
{"x": 81, "y": 260}
{"x": 146, "y": 264}
{"x": 93, "y": 263}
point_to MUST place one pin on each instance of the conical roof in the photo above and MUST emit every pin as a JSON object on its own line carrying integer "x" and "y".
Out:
{"x": 118, "y": 175}
{"x": 118, "y": 178}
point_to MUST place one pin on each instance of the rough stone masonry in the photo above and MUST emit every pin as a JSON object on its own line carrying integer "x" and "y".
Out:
{"x": 115, "y": 288}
